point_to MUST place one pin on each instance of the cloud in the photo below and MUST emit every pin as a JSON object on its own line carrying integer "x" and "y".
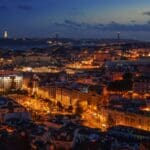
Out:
{"x": 72, "y": 23}
{"x": 125, "y": 27}
{"x": 25, "y": 7}
{"x": 112, "y": 26}
{"x": 69, "y": 24}
{"x": 147, "y": 13}
{"x": 133, "y": 21}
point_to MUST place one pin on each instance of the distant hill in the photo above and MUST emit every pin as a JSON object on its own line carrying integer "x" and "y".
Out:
{"x": 21, "y": 41}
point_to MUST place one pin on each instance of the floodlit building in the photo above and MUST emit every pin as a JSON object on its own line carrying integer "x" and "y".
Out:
{"x": 10, "y": 81}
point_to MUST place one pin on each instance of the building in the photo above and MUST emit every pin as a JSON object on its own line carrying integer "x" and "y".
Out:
{"x": 31, "y": 58}
{"x": 128, "y": 113}
{"x": 141, "y": 85}
{"x": 10, "y": 80}
{"x": 9, "y": 109}
{"x": 102, "y": 56}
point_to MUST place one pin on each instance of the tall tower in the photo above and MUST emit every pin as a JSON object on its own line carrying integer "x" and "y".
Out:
{"x": 57, "y": 36}
{"x": 5, "y": 34}
{"x": 118, "y": 35}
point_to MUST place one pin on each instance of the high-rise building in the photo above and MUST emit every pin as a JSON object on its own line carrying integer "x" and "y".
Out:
{"x": 56, "y": 36}
{"x": 118, "y": 35}
{"x": 5, "y": 34}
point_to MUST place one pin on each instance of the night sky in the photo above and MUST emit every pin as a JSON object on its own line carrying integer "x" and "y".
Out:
{"x": 76, "y": 18}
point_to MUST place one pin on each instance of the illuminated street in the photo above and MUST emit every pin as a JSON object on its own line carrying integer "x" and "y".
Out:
{"x": 42, "y": 108}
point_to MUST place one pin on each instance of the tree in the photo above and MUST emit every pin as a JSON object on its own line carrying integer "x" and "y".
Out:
{"x": 30, "y": 84}
{"x": 127, "y": 76}
{"x": 79, "y": 110}
{"x": 120, "y": 85}
{"x": 70, "y": 108}
{"x": 123, "y": 58}
{"x": 110, "y": 121}
{"x": 10, "y": 107}
{"x": 59, "y": 105}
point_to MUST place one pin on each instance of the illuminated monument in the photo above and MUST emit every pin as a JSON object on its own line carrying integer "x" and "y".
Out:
{"x": 5, "y": 35}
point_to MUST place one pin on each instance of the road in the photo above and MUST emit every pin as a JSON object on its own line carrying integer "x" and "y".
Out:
{"x": 42, "y": 108}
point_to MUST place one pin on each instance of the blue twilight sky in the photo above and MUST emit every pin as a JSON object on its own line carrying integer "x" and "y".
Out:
{"x": 76, "y": 18}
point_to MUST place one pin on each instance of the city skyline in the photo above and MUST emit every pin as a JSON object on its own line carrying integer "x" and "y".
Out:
{"x": 74, "y": 74}
{"x": 76, "y": 19}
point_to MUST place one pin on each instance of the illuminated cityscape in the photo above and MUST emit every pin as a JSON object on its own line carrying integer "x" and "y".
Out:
{"x": 78, "y": 82}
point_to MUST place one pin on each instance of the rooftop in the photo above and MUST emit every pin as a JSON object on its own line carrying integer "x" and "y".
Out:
{"x": 8, "y": 73}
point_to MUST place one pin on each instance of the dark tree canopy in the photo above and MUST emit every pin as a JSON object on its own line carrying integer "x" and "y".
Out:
{"x": 120, "y": 85}
{"x": 127, "y": 76}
